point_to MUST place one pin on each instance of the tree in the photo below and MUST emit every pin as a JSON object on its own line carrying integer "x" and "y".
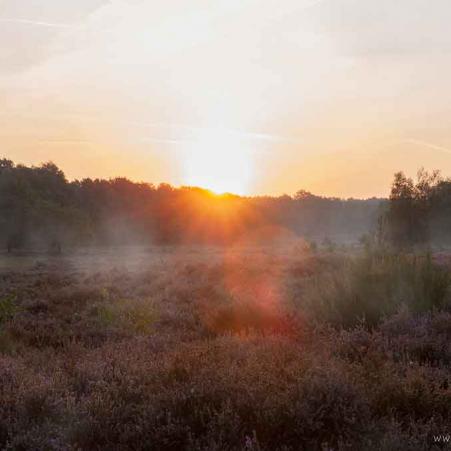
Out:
{"x": 410, "y": 204}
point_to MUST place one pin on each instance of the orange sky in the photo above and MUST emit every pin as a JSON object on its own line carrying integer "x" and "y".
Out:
{"x": 251, "y": 96}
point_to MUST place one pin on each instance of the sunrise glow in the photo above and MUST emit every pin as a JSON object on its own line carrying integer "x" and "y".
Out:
{"x": 217, "y": 161}
{"x": 254, "y": 97}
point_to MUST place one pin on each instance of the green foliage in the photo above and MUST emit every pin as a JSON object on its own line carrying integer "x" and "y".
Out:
{"x": 329, "y": 245}
{"x": 416, "y": 209}
{"x": 429, "y": 284}
{"x": 8, "y": 308}
{"x": 367, "y": 241}
{"x": 367, "y": 288}
{"x": 7, "y": 343}
{"x": 313, "y": 246}
{"x": 138, "y": 316}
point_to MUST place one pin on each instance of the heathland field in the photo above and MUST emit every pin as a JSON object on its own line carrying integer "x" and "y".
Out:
{"x": 213, "y": 348}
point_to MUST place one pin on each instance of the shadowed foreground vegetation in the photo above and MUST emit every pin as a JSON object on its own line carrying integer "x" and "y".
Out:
{"x": 237, "y": 349}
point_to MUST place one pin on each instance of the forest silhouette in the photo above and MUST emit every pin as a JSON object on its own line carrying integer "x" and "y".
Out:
{"x": 40, "y": 207}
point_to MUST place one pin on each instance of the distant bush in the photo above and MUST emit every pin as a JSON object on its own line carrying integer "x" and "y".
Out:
{"x": 329, "y": 245}
{"x": 364, "y": 289}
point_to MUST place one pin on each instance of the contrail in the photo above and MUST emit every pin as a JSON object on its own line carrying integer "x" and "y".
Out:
{"x": 227, "y": 131}
{"x": 427, "y": 144}
{"x": 190, "y": 128}
{"x": 36, "y": 23}
{"x": 64, "y": 141}
{"x": 163, "y": 140}
{"x": 186, "y": 127}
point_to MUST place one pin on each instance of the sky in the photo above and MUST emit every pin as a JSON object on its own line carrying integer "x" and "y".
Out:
{"x": 248, "y": 96}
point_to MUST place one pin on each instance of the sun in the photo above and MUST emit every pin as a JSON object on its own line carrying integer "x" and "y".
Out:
{"x": 218, "y": 161}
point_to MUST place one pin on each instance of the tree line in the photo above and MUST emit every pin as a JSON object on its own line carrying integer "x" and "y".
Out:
{"x": 418, "y": 212}
{"x": 39, "y": 207}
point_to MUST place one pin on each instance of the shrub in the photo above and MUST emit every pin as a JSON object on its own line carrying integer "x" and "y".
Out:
{"x": 7, "y": 343}
{"x": 138, "y": 316}
{"x": 367, "y": 288}
{"x": 8, "y": 308}
{"x": 207, "y": 354}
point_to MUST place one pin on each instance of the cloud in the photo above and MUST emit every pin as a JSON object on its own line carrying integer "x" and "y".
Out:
{"x": 385, "y": 27}
{"x": 34, "y": 26}
{"x": 35, "y": 23}
{"x": 163, "y": 141}
{"x": 51, "y": 11}
{"x": 334, "y": 75}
